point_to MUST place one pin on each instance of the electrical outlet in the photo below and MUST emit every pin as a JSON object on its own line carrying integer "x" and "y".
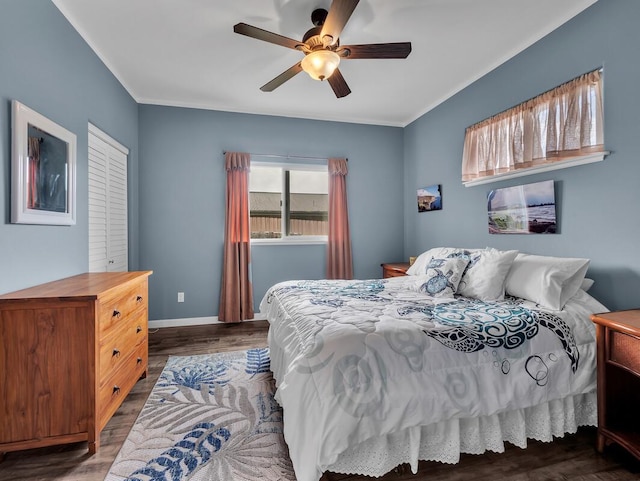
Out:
{"x": 180, "y": 296}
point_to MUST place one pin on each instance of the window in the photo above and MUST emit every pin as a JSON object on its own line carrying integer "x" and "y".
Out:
{"x": 288, "y": 202}
{"x": 557, "y": 129}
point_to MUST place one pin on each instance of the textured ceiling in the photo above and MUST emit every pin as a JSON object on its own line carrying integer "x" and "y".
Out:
{"x": 184, "y": 53}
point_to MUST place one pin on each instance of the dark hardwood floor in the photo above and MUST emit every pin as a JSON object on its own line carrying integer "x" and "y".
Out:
{"x": 570, "y": 458}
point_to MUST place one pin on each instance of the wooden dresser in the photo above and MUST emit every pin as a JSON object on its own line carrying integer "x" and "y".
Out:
{"x": 618, "y": 339}
{"x": 396, "y": 269}
{"x": 70, "y": 351}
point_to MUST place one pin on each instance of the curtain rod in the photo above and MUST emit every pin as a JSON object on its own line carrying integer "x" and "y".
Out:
{"x": 599, "y": 69}
{"x": 277, "y": 156}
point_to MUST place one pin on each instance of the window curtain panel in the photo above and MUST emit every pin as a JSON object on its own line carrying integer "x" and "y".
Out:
{"x": 236, "y": 293}
{"x": 339, "y": 262}
{"x": 563, "y": 123}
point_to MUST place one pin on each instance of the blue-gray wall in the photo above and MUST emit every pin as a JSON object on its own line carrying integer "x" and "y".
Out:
{"x": 46, "y": 65}
{"x": 182, "y": 200}
{"x": 597, "y": 204}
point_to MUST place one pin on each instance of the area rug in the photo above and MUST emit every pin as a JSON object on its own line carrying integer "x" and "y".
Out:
{"x": 209, "y": 417}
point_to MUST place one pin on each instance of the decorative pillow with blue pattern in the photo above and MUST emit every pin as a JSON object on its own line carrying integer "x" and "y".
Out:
{"x": 484, "y": 276}
{"x": 442, "y": 276}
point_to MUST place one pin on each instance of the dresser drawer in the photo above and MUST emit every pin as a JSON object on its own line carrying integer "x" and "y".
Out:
{"x": 115, "y": 349}
{"x": 130, "y": 301}
{"x": 116, "y": 387}
{"x": 625, "y": 351}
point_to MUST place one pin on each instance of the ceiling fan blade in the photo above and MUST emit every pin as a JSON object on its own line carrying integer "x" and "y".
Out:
{"x": 338, "y": 84}
{"x": 375, "y": 50}
{"x": 265, "y": 35}
{"x": 282, "y": 78}
{"x": 338, "y": 16}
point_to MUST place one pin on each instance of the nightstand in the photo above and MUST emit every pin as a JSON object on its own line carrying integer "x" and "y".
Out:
{"x": 618, "y": 340}
{"x": 396, "y": 269}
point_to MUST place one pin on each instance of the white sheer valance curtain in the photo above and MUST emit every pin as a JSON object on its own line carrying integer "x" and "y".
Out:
{"x": 562, "y": 124}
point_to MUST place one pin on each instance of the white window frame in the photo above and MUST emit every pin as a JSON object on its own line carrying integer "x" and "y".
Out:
{"x": 286, "y": 239}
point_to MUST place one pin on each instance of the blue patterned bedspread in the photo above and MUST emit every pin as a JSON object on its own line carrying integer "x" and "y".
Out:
{"x": 360, "y": 359}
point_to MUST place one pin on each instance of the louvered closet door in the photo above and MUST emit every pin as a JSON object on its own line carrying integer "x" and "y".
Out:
{"x": 97, "y": 204}
{"x": 117, "y": 238}
{"x": 108, "y": 237}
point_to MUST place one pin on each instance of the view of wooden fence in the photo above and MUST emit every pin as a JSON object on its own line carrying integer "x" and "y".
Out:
{"x": 269, "y": 227}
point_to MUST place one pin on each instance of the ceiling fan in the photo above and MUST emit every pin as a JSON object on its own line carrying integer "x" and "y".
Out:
{"x": 322, "y": 49}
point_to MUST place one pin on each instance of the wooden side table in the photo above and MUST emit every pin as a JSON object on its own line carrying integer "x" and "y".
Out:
{"x": 395, "y": 269}
{"x": 618, "y": 340}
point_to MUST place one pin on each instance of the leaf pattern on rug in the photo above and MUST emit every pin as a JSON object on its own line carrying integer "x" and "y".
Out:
{"x": 175, "y": 410}
{"x": 270, "y": 414}
{"x": 209, "y": 417}
{"x": 195, "y": 375}
{"x": 258, "y": 361}
{"x": 178, "y": 462}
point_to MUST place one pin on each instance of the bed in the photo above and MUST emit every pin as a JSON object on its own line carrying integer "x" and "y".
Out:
{"x": 475, "y": 348}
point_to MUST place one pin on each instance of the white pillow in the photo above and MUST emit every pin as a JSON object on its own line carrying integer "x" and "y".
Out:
{"x": 548, "y": 281}
{"x": 419, "y": 267}
{"x": 442, "y": 276}
{"x": 586, "y": 284}
{"x": 486, "y": 273}
{"x": 484, "y": 278}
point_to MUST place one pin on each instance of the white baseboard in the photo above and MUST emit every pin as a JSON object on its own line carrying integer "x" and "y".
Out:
{"x": 194, "y": 321}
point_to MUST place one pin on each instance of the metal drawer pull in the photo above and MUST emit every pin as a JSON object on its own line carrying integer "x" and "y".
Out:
{"x": 139, "y": 299}
{"x": 116, "y": 389}
{"x": 116, "y": 313}
{"x": 116, "y": 353}
{"x": 139, "y": 360}
{"x": 138, "y": 329}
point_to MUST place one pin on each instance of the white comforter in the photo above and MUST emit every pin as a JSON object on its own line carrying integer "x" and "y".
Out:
{"x": 354, "y": 360}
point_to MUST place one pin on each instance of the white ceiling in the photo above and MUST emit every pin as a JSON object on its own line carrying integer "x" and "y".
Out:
{"x": 185, "y": 53}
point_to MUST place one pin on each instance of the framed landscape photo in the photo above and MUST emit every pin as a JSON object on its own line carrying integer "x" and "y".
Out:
{"x": 523, "y": 209}
{"x": 429, "y": 198}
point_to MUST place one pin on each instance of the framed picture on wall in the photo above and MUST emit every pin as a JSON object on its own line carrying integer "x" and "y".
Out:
{"x": 429, "y": 198}
{"x": 43, "y": 169}
{"x": 523, "y": 209}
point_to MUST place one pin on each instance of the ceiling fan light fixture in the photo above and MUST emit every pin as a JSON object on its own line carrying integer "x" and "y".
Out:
{"x": 322, "y": 48}
{"x": 320, "y": 64}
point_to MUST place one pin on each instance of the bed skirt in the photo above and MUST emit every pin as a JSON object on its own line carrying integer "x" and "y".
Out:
{"x": 446, "y": 440}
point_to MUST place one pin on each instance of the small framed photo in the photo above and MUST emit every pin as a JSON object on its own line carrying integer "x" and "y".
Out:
{"x": 429, "y": 198}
